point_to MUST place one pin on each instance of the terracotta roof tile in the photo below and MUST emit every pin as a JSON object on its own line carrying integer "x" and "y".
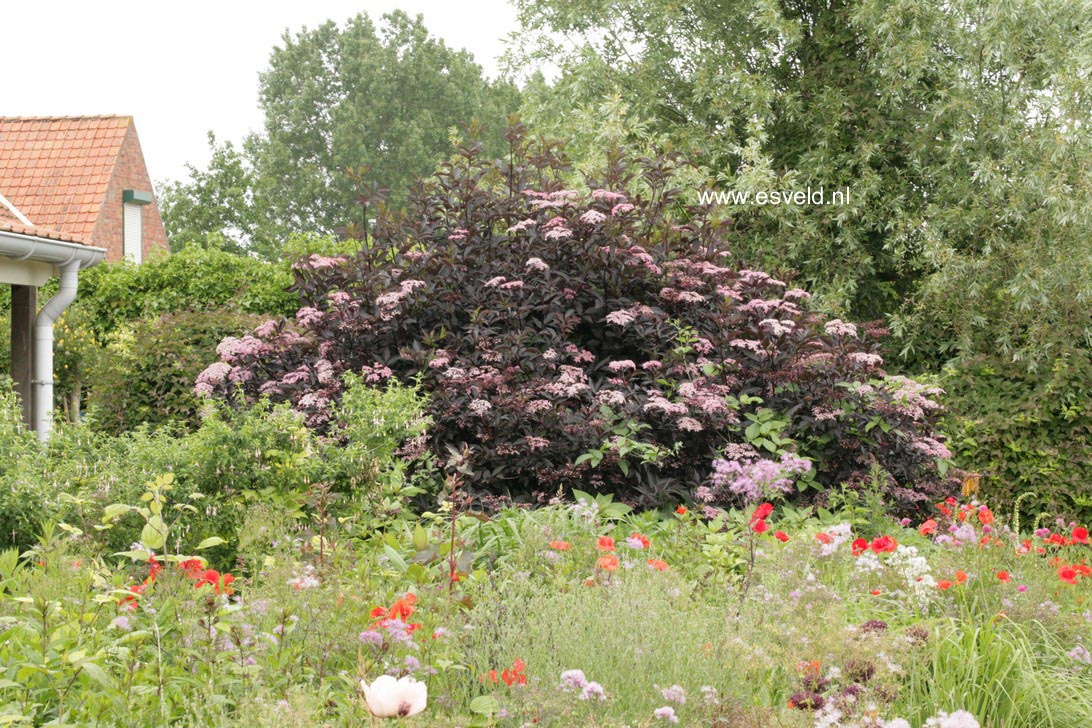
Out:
{"x": 55, "y": 170}
{"x": 8, "y": 225}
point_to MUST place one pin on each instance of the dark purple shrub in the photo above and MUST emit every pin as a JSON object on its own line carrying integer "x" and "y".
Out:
{"x": 549, "y": 324}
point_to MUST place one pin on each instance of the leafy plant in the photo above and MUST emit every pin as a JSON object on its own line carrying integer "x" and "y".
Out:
{"x": 594, "y": 339}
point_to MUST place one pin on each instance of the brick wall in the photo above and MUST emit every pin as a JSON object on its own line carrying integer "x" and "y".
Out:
{"x": 130, "y": 173}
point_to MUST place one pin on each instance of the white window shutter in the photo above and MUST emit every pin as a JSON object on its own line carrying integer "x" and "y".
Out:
{"x": 133, "y": 233}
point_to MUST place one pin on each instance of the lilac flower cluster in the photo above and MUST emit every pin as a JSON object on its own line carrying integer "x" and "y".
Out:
{"x": 757, "y": 479}
{"x": 575, "y": 680}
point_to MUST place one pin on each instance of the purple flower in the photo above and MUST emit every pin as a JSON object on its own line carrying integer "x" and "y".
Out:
{"x": 758, "y": 478}
{"x": 309, "y": 316}
{"x": 371, "y": 637}
{"x": 666, "y": 713}
{"x": 573, "y": 679}
{"x": 674, "y": 694}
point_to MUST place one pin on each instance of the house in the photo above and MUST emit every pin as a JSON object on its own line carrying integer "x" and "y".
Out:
{"x": 73, "y": 192}
{"x": 83, "y": 175}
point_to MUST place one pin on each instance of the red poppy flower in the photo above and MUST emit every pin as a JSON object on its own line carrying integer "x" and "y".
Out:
{"x": 643, "y": 539}
{"x": 658, "y": 565}
{"x": 193, "y": 568}
{"x": 1057, "y": 539}
{"x": 560, "y": 545}
{"x": 1080, "y": 535}
{"x": 514, "y": 675}
{"x": 859, "y": 546}
{"x": 875, "y": 592}
{"x": 760, "y": 526}
{"x": 960, "y": 577}
{"x": 1004, "y": 576}
{"x": 882, "y": 544}
{"x": 985, "y": 516}
{"x": 944, "y": 584}
{"x": 1068, "y": 574}
{"x": 403, "y": 608}
{"x": 823, "y": 537}
{"x": 928, "y": 528}
{"x": 781, "y": 536}
{"x": 681, "y": 510}
{"x": 378, "y": 613}
{"x": 220, "y": 583}
{"x": 605, "y": 543}
{"x": 762, "y": 512}
{"x": 607, "y": 563}
{"x": 1083, "y": 569}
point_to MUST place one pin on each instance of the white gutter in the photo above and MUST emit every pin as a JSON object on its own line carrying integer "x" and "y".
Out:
{"x": 69, "y": 258}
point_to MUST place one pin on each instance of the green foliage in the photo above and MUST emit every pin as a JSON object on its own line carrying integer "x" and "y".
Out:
{"x": 114, "y": 294}
{"x": 216, "y": 207}
{"x": 137, "y": 336}
{"x": 90, "y": 636}
{"x": 958, "y": 127}
{"x": 1003, "y": 673}
{"x": 1030, "y": 435}
{"x": 232, "y": 461}
{"x": 350, "y": 112}
{"x": 146, "y": 374}
{"x": 21, "y": 499}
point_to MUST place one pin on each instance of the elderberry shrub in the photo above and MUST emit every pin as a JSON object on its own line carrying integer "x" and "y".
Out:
{"x": 601, "y": 338}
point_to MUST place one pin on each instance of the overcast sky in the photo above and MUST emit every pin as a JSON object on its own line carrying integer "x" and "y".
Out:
{"x": 184, "y": 68}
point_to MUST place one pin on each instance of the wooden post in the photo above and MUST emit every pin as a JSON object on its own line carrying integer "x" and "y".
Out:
{"x": 24, "y": 306}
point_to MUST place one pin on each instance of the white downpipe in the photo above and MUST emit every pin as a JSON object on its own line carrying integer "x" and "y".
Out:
{"x": 43, "y": 348}
{"x": 69, "y": 258}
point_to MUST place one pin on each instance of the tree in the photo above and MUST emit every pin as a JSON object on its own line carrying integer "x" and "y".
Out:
{"x": 217, "y": 208}
{"x": 349, "y": 112}
{"x": 960, "y": 128}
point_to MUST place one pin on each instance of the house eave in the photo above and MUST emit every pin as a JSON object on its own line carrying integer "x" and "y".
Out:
{"x": 55, "y": 252}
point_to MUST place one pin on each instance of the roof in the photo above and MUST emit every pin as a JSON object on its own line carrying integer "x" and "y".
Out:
{"x": 14, "y": 226}
{"x": 56, "y": 170}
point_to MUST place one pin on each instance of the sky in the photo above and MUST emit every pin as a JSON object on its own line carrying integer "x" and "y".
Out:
{"x": 181, "y": 69}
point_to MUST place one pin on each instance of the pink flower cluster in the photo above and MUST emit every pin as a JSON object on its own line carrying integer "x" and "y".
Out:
{"x": 760, "y": 478}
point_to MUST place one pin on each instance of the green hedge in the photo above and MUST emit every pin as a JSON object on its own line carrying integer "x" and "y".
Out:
{"x": 1028, "y": 433}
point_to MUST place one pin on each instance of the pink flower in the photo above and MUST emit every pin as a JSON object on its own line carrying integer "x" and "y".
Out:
{"x": 622, "y": 365}
{"x": 592, "y": 217}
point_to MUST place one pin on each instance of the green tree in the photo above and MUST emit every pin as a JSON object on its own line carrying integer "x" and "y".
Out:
{"x": 350, "y": 112}
{"x": 216, "y": 207}
{"x": 959, "y": 127}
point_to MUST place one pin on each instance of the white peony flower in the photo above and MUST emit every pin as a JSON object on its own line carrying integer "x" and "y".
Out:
{"x": 390, "y": 698}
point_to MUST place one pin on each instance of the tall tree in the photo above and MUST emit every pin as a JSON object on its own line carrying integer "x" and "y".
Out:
{"x": 960, "y": 128}
{"x": 350, "y": 111}
{"x": 216, "y": 207}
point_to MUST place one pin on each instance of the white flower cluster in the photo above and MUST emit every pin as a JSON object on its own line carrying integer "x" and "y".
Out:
{"x": 838, "y": 535}
{"x": 958, "y": 719}
{"x": 586, "y": 511}
{"x": 868, "y": 562}
{"x": 916, "y": 572}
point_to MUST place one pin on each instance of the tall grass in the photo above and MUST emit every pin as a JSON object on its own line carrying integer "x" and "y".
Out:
{"x": 1007, "y": 675}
